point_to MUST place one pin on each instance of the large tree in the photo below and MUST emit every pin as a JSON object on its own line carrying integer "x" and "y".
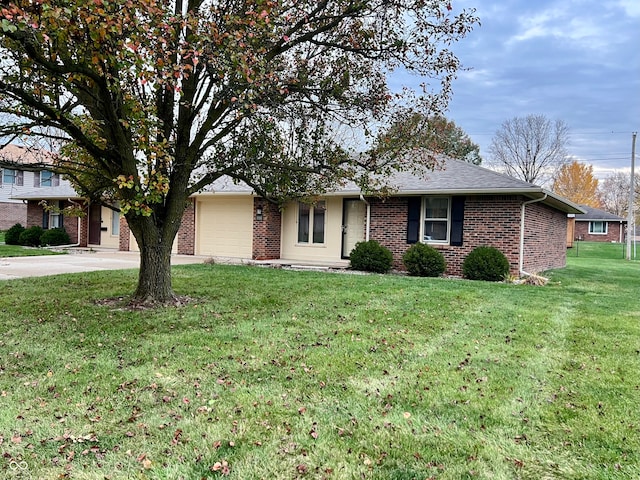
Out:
{"x": 435, "y": 134}
{"x": 530, "y": 148}
{"x": 614, "y": 193}
{"x": 151, "y": 101}
{"x": 575, "y": 181}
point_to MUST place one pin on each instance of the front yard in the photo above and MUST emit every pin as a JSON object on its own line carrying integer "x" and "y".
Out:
{"x": 281, "y": 375}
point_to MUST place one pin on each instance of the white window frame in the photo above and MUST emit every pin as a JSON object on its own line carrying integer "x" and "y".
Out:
{"x": 311, "y": 222}
{"x": 424, "y": 219}
{"x": 54, "y": 217}
{"x": 115, "y": 223}
{"x": 604, "y": 223}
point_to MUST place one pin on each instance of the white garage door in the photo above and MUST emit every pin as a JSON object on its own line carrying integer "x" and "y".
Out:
{"x": 224, "y": 227}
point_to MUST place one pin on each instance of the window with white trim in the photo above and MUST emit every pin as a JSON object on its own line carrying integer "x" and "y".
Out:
{"x": 598, "y": 228}
{"x": 437, "y": 218}
{"x": 311, "y": 220}
{"x": 52, "y": 218}
{"x": 115, "y": 223}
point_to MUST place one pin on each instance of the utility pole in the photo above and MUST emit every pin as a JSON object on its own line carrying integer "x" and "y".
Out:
{"x": 630, "y": 217}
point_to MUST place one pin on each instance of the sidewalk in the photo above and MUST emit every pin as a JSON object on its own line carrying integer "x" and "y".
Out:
{"x": 87, "y": 261}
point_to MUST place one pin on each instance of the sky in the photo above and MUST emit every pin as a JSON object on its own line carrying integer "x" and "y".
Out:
{"x": 573, "y": 60}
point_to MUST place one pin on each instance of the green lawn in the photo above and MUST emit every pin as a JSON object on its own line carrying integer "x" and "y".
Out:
{"x": 19, "y": 251}
{"x": 282, "y": 375}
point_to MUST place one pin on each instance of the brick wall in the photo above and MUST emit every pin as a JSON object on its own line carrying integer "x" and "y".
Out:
{"x": 125, "y": 235}
{"x": 545, "y": 238}
{"x": 12, "y": 213}
{"x": 34, "y": 214}
{"x": 266, "y": 232}
{"x": 70, "y": 223}
{"x": 488, "y": 220}
{"x": 187, "y": 231}
{"x": 612, "y": 235}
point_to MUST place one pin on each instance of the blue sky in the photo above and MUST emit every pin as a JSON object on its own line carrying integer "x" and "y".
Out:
{"x": 573, "y": 60}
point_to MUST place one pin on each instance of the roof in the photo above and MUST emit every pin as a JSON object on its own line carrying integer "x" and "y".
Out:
{"x": 23, "y": 157}
{"x": 453, "y": 177}
{"x": 592, "y": 213}
{"x": 62, "y": 192}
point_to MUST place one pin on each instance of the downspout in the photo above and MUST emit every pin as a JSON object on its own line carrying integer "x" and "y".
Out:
{"x": 521, "y": 259}
{"x": 366, "y": 235}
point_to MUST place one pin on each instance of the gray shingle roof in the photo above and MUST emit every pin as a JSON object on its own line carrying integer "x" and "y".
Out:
{"x": 63, "y": 192}
{"x": 597, "y": 214}
{"x": 454, "y": 177}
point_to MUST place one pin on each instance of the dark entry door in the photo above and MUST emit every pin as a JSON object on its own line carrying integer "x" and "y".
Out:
{"x": 95, "y": 223}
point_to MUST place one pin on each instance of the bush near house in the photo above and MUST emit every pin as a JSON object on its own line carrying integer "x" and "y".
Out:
{"x": 12, "y": 236}
{"x": 30, "y": 237}
{"x": 485, "y": 263}
{"x": 423, "y": 260}
{"x": 55, "y": 236}
{"x": 370, "y": 256}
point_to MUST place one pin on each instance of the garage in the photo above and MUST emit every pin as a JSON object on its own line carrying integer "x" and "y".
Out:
{"x": 224, "y": 226}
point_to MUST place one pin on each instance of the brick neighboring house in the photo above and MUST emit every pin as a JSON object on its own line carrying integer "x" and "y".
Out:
{"x": 597, "y": 225}
{"x": 454, "y": 209}
{"x": 26, "y": 181}
{"x": 21, "y": 170}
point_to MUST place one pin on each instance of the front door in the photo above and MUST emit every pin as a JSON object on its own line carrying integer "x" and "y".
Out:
{"x": 354, "y": 214}
{"x": 95, "y": 223}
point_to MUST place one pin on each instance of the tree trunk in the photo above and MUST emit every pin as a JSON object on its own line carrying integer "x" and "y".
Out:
{"x": 154, "y": 278}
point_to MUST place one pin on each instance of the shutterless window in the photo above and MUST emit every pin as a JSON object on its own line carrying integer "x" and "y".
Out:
{"x": 311, "y": 219}
{"x": 436, "y": 219}
{"x": 598, "y": 228}
{"x": 115, "y": 223}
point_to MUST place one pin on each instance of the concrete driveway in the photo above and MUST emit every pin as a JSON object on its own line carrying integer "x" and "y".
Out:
{"x": 87, "y": 261}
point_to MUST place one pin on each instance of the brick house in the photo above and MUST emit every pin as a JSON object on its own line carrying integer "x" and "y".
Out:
{"x": 23, "y": 170}
{"x": 597, "y": 225}
{"x": 454, "y": 209}
{"x": 26, "y": 181}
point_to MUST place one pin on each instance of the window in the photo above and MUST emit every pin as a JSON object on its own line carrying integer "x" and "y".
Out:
{"x": 598, "y": 228}
{"x": 46, "y": 178}
{"x": 115, "y": 223}
{"x": 12, "y": 177}
{"x": 311, "y": 222}
{"x": 436, "y": 219}
{"x": 52, "y": 218}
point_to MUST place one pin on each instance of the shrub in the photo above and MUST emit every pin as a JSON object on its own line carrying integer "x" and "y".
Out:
{"x": 12, "y": 236}
{"x": 371, "y": 257}
{"x": 485, "y": 263}
{"x": 422, "y": 260}
{"x": 31, "y": 236}
{"x": 55, "y": 236}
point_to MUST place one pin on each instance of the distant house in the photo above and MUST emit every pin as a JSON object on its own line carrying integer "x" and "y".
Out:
{"x": 21, "y": 171}
{"x": 597, "y": 225}
{"x": 454, "y": 209}
{"x": 26, "y": 182}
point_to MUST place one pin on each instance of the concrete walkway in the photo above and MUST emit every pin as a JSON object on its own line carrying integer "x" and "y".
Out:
{"x": 88, "y": 260}
{"x": 78, "y": 262}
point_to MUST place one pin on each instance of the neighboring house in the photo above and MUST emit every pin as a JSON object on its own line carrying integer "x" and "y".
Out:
{"x": 596, "y": 225}
{"x": 454, "y": 209}
{"x": 21, "y": 171}
{"x": 26, "y": 182}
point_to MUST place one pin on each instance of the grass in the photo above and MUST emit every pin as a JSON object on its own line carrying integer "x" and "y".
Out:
{"x": 284, "y": 375}
{"x": 20, "y": 251}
